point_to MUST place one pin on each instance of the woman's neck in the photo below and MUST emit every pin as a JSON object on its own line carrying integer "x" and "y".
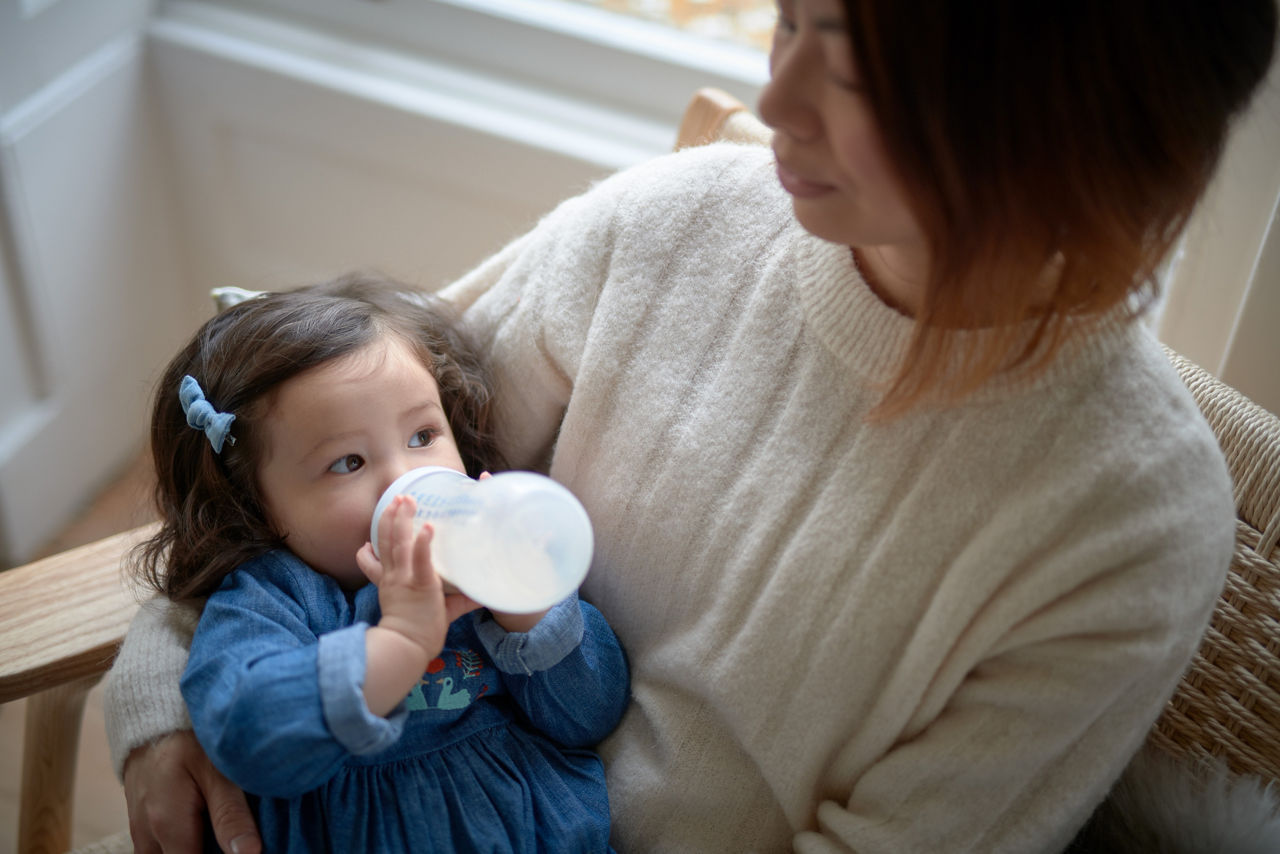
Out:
{"x": 898, "y": 274}
{"x": 895, "y": 274}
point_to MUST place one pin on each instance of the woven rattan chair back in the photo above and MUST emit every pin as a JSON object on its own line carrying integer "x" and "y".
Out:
{"x": 1228, "y": 703}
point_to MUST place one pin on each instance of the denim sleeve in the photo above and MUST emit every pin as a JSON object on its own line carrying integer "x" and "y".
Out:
{"x": 277, "y": 708}
{"x": 568, "y": 674}
{"x": 340, "y": 670}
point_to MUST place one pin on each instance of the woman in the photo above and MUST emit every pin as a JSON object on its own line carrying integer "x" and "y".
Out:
{"x": 907, "y": 526}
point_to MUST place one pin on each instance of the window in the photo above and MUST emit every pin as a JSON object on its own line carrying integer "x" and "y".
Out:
{"x": 575, "y": 49}
{"x": 745, "y": 22}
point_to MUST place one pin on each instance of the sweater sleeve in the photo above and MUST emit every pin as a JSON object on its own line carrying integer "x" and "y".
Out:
{"x": 532, "y": 306}
{"x": 1080, "y": 651}
{"x": 534, "y": 350}
{"x": 141, "y": 700}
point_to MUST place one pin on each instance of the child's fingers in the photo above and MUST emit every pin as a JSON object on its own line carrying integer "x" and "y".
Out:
{"x": 369, "y": 563}
{"x": 401, "y": 534}
{"x": 385, "y": 528}
{"x": 404, "y": 521}
{"x": 423, "y": 569}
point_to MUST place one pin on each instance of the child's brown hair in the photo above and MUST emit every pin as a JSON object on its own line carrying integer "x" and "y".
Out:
{"x": 212, "y": 510}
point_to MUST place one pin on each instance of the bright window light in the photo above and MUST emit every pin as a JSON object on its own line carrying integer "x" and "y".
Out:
{"x": 745, "y": 22}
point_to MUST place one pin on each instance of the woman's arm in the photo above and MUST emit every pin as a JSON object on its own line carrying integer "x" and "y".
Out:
{"x": 1025, "y": 749}
{"x": 568, "y": 673}
{"x": 170, "y": 785}
{"x": 141, "y": 700}
{"x": 1074, "y": 658}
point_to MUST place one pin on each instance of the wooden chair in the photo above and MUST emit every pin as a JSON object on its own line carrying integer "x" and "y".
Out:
{"x": 62, "y": 618}
{"x": 61, "y": 621}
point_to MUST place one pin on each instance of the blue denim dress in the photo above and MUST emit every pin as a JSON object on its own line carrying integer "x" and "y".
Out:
{"x": 490, "y": 751}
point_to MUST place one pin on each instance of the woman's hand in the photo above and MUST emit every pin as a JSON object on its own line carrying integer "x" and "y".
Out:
{"x": 416, "y": 613}
{"x": 170, "y": 786}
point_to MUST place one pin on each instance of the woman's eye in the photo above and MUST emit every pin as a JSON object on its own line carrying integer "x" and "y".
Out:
{"x": 786, "y": 17}
{"x": 422, "y": 438}
{"x": 846, "y": 83}
{"x": 347, "y": 464}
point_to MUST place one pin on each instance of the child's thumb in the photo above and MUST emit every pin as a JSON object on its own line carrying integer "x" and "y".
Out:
{"x": 369, "y": 563}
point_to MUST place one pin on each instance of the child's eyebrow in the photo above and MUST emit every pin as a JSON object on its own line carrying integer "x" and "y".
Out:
{"x": 416, "y": 410}
{"x": 328, "y": 439}
{"x": 424, "y": 407}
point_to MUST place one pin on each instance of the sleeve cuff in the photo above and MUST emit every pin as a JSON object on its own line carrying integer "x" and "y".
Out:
{"x": 142, "y": 702}
{"x": 341, "y": 665}
{"x": 555, "y": 636}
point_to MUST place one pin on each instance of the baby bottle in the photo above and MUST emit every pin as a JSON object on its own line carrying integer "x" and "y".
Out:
{"x": 517, "y": 542}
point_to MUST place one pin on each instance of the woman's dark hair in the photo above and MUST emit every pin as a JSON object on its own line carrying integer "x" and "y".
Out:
{"x": 1026, "y": 133}
{"x": 212, "y": 510}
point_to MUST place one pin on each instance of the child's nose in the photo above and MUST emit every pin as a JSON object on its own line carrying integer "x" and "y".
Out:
{"x": 389, "y": 473}
{"x": 396, "y": 464}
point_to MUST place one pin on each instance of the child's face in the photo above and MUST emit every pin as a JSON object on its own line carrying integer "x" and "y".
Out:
{"x": 336, "y": 437}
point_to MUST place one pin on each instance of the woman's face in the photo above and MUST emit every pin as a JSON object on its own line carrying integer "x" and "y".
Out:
{"x": 831, "y": 158}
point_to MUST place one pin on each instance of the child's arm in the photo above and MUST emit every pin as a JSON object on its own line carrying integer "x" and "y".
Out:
{"x": 568, "y": 672}
{"x": 416, "y": 613}
{"x": 261, "y": 683}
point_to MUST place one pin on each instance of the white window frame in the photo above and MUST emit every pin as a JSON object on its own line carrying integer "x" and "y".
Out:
{"x": 569, "y": 49}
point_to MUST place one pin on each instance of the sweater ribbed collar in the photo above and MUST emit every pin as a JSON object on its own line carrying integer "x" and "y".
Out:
{"x": 871, "y": 338}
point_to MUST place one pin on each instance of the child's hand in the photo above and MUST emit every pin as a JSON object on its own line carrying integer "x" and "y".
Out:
{"x": 416, "y": 613}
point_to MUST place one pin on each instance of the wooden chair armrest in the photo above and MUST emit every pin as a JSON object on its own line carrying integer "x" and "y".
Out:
{"x": 61, "y": 621}
{"x": 62, "y": 618}
{"x": 713, "y": 114}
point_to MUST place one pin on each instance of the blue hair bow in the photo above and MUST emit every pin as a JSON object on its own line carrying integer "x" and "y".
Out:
{"x": 202, "y": 416}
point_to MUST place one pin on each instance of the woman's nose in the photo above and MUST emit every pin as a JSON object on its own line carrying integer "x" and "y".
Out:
{"x": 786, "y": 101}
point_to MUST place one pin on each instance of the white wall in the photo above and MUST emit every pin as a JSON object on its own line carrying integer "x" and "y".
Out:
{"x": 90, "y": 259}
{"x": 1223, "y": 303}
{"x": 300, "y": 156}
{"x": 150, "y": 151}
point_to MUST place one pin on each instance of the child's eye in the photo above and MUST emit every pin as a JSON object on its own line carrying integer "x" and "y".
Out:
{"x": 423, "y": 438}
{"x": 347, "y": 464}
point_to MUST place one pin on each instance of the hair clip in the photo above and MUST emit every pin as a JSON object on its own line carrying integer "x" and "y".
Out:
{"x": 202, "y": 416}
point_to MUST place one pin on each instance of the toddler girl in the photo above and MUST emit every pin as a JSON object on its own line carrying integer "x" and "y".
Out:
{"x": 383, "y": 716}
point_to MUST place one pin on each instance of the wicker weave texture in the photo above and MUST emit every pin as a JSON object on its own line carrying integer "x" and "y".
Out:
{"x": 1228, "y": 703}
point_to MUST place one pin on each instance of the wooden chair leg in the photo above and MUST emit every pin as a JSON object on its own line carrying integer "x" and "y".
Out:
{"x": 50, "y": 743}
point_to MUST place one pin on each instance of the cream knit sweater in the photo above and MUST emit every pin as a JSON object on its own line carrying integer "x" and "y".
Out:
{"x": 944, "y": 632}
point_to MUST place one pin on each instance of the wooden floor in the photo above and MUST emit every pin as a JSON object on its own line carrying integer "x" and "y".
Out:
{"x": 99, "y": 799}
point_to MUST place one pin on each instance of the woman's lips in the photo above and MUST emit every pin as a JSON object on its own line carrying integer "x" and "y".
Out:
{"x": 800, "y": 187}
